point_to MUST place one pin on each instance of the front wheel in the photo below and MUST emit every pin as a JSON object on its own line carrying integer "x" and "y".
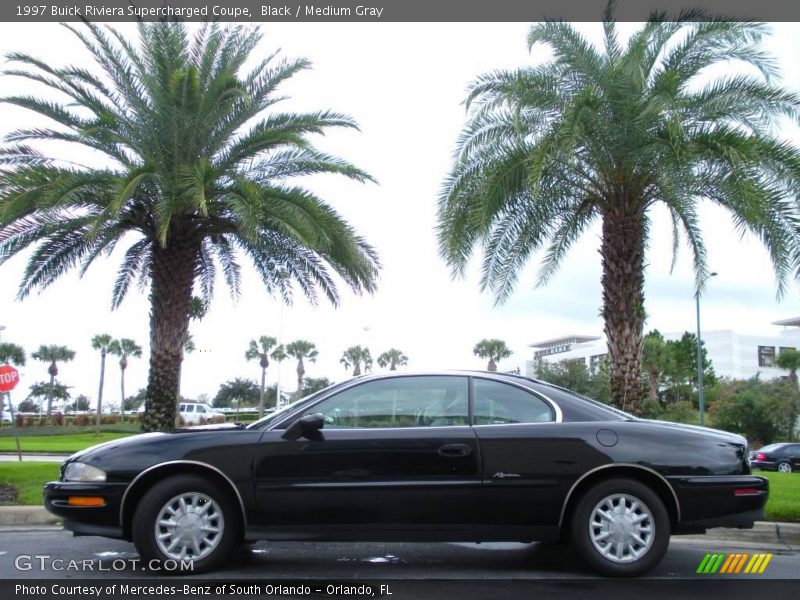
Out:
{"x": 185, "y": 518}
{"x": 784, "y": 467}
{"x": 621, "y": 528}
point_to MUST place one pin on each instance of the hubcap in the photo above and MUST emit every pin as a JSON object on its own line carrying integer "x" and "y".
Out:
{"x": 784, "y": 468}
{"x": 621, "y": 528}
{"x": 189, "y": 526}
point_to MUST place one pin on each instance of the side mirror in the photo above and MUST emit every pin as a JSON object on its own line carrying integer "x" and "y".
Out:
{"x": 308, "y": 426}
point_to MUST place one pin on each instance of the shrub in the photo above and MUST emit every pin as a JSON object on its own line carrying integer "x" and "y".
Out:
{"x": 81, "y": 420}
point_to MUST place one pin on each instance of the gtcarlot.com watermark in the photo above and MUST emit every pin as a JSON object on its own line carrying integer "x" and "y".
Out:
{"x": 44, "y": 562}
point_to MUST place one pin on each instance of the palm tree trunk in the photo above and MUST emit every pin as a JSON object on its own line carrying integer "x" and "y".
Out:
{"x": 301, "y": 371}
{"x": 653, "y": 377}
{"x": 622, "y": 251}
{"x": 122, "y": 391}
{"x": 492, "y": 366}
{"x": 50, "y": 395}
{"x": 100, "y": 392}
{"x": 261, "y": 396}
{"x": 171, "y": 292}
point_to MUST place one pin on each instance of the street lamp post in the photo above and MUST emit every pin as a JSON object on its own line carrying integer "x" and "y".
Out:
{"x": 700, "y": 358}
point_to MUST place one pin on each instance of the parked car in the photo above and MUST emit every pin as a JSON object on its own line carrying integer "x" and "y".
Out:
{"x": 450, "y": 456}
{"x": 777, "y": 457}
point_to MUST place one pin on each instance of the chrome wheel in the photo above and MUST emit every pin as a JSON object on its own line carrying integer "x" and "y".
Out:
{"x": 189, "y": 526}
{"x": 622, "y": 528}
{"x": 784, "y": 468}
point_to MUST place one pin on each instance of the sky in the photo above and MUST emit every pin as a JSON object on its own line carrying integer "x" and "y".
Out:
{"x": 404, "y": 84}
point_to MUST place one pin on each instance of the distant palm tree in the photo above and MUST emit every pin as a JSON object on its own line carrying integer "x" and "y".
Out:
{"x": 10, "y": 354}
{"x": 53, "y": 354}
{"x": 260, "y": 349}
{"x": 789, "y": 359}
{"x": 393, "y": 358}
{"x": 603, "y": 135}
{"x": 356, "y": 356}
{"x": 101, "y": 342}
{"x": 198, "y": 172}
{"x": 278, "y": 355}
{"x": 124, "y": 348}
{"x": 654, "y": 357}
{"x": 301, "y": 349}
{"x": 494, "y": 350}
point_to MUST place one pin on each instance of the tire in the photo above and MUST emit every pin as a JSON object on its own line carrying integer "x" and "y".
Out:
{"x": 783, "y": 467}
{"x": 591, "y": 536}
{"x": 205, "y": 508}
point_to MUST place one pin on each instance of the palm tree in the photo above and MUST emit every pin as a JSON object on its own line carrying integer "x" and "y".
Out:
{"x": 494, "y": 350}
{"x": 197, "y": 175}
{"x": 13, "y": 355}
{"x": 278, "y": 355}
{"x": 260, "y": 349}
{"x": 124, "y": 348}
{"x": 101, "y": 342}
{"x": 789, "y": 359}
{"x": 301, "y": 349}
{"x": 602, "y": 135}
{"x": 392, "y": 358}
{"x": 53, "y": 354}
{"x": 654, "y": 357}
{"x": 356, "y": 356}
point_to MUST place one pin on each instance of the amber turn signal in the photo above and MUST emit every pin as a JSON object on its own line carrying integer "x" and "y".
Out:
{"x": 86, "y": 501}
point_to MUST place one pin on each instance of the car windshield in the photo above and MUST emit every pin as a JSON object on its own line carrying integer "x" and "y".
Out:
{"x": 275, "y": 416}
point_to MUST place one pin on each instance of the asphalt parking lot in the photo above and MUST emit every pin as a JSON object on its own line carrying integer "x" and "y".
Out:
{"x": 355, "y": 561}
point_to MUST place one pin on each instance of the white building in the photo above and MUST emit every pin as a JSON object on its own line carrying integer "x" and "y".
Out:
{"x": 734, "y": 355}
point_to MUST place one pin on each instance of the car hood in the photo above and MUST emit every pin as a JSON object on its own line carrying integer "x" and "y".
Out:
{"x": 141, "y": 441}
{"x": 733, "y": 438}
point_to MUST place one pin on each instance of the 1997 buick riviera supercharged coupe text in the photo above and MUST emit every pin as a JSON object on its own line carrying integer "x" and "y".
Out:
{"x": 452, "y": 456}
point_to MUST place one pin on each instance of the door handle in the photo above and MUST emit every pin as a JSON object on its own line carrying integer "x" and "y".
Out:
{"x": 454, "y": 450}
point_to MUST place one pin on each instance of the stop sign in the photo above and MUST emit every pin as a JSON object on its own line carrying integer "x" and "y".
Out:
{"x": 9, "y": 378}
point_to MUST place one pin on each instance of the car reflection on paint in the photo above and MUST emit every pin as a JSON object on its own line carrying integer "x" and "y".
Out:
{"x": 448, "y": 456}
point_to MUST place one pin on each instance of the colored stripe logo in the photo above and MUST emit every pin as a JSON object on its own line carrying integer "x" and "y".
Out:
{"x": 721, "y": 562}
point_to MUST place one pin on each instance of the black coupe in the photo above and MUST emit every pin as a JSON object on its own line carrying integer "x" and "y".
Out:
{"x": 451, "y": 456}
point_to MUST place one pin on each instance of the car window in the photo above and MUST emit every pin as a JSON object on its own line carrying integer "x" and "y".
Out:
{"x": 189, "y": 408}
{"x": 426, "y": 401}
{"x": 499, "y": 403}
{"x": 201, "y": 409}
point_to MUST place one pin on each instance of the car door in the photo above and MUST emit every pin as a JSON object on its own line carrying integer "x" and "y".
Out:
{"x": 519, "y": 441}
{"x": 397, "y": 453}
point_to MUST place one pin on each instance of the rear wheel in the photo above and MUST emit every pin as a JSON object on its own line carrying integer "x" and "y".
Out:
{"x": 784, "y": 467}
{"x": 621, "y": 528}
{"x": 185, "y": 518}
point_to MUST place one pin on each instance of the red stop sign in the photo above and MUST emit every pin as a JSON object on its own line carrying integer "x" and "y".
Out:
{"x": 9, "y": 378}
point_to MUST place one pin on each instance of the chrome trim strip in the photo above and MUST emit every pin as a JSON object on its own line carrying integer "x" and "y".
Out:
{"x": 176, "y": 462}
{"x": 600, "y": 468}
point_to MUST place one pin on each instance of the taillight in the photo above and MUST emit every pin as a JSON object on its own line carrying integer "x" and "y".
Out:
{"x": 761, "y": 456}
{"x": 746, "y": 492}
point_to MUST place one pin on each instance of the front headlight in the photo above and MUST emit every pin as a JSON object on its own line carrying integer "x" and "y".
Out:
{"x": 78, "y": 471}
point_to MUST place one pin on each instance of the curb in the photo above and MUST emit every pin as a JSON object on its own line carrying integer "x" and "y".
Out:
{"x": 26, "y": 515}
{"x": 763, "y": 532}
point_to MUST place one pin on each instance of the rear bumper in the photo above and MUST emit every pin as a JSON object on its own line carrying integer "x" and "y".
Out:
{"x": 764, "y": 465}
{"x": 720, "y": 501}
{"x": 87, "y": 520}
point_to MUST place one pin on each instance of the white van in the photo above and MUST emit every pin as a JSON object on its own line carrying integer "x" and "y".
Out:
{"x": 194, "y": 413}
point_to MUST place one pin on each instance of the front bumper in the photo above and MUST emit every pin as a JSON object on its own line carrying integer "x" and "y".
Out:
{"x": 720, "y": 501}
{"x": 87, "y": 520}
